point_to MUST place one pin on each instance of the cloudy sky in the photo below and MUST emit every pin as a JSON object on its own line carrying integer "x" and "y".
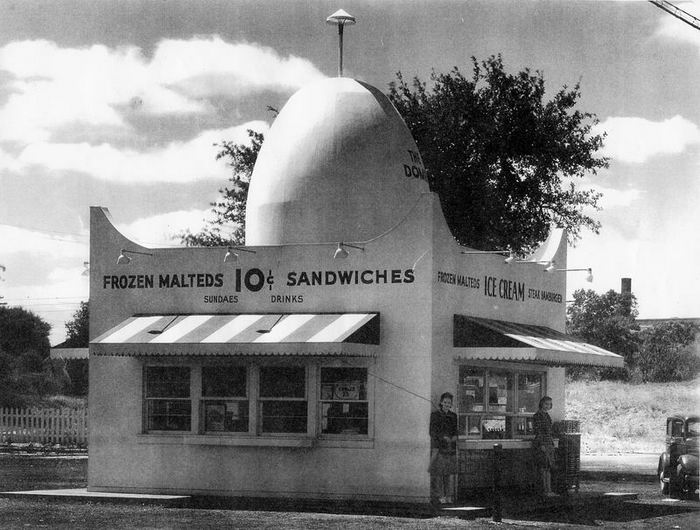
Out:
{"x": 117, "y": 104}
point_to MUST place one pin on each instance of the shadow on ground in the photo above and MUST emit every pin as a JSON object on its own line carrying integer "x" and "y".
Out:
{"x": 592, "y": 515}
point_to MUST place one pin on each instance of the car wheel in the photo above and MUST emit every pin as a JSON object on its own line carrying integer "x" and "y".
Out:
{"x": 683, "y": 487}
{"x": 663, "y": 484}
{"x": 675, "y": 482}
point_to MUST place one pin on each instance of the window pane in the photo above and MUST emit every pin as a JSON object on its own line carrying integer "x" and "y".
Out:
{"x": 344, "y": 418}
{"x": 470, "y": 426}
{"x": 677, "y": 428}
{"x": 344, "y": 409}
{"x": 283, "y": 381}
{"x": 343, "y": 384}
{"x": 168, "y": 381}
{"x": 224, "y": 381}
{"x": 471, "y": 395}
{"x": 500, "y": 392}
{"x": 169, "y": 415}
{"x": 523, "y": 426}
{"x": 226, "y": 416}
{"x": 529, "y": 392}
{"x": 284, "y": 416}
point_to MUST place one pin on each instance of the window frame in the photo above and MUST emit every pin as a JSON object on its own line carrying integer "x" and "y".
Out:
{"x": 204, "y": 400}
{"x": 369, "y": 401}
{"x": 511, "y": 416}
{"x": 152, "y": 399}
{"x": 254, "y": 435}
{"x": 260, "y": 400}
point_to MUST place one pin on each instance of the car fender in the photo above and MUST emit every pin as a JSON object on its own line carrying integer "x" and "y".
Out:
{"x": 664, "y": 462}
{"x": 689, "y": 464}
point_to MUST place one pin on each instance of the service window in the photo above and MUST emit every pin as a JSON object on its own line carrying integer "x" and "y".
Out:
{"x": 225, "y": 399}
{"x": 167, "y": 398}
{"x": 343, "y": 401}
{"x": 498, "y": 403}
{"x": 283, "y": 404}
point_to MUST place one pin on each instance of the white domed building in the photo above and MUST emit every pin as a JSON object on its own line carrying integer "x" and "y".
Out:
{"x": 307, "y": 363}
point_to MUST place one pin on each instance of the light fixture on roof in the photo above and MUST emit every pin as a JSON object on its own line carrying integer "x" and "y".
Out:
{"x": 232, "y": 254}
{"x": 552, "y": 268}
{"x": 340, "y": 18}
{"x": 123, "y": 259}
{"x": 510, "y": 259}
{"x": 86, "y": 270}
{"x": 549, "y": 264}
{"x": 341, "y": 253}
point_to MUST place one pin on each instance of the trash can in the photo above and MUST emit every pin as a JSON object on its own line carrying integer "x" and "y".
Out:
{"x": 568, "y": 456}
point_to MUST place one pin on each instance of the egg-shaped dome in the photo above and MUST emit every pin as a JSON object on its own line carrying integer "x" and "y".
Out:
{"x": 338, "y": 164}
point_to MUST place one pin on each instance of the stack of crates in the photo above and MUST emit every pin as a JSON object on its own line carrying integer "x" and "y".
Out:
{"x": 568, "y": 455}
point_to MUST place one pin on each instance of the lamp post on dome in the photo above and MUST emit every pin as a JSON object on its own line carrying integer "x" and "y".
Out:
{"x": 340, "y": 18}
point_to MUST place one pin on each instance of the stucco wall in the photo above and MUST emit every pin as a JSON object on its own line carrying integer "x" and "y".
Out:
{"x": 392, "y": 466}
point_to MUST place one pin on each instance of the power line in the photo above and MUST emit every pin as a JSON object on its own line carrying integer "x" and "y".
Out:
{"x": 46, "y": 298}
{"x": 677, "y": 12}
{"x": 42, "y": 230}
{"x": 395, "y": 385}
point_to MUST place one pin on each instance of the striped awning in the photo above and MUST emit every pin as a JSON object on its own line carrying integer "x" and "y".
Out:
{"x": 487, "y": 339}
{"x": 243, "y": 334}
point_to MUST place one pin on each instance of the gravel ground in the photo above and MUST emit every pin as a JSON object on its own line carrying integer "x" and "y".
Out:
{"x": 650, "y": 511}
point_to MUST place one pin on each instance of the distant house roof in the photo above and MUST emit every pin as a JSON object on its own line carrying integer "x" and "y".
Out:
{"x": 60, "y": 351}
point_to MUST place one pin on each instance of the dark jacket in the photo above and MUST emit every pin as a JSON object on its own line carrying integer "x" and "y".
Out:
{"x": 542, "y": 425}
{"x": 443, "y": 424}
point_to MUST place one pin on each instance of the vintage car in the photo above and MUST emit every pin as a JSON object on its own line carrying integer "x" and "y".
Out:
{"x": 678, "y": 464}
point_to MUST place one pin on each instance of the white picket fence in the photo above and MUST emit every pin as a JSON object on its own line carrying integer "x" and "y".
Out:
{"x": 67, "y": 427}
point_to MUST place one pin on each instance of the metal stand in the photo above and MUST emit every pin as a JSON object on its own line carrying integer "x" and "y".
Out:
{"x": 497, "y": 504}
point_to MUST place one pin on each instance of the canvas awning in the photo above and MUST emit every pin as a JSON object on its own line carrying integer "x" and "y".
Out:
{"x": 486, "y": 339}
{"x": 314, "y": 334}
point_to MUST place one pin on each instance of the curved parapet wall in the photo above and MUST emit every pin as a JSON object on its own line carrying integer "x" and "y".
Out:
{"x": 339, "y": 164}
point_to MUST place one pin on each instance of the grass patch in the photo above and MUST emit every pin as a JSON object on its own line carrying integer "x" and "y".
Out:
{"x": 627, "y": 418}
{"x": 20, "y": 473}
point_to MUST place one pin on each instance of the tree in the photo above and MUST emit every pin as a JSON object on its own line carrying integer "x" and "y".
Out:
{"x": 668, "y": 352}
{"x": 495, "y": 152}
{"x": 26, "y": 372}
{"x": 607, "y": 321}
{"x": 498, "y": 155}
{"x": 78, "y": 336}
{"x": 230, "y": 209}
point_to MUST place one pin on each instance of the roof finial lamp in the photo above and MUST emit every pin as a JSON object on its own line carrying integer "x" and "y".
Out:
{"x": 340, "y": 18}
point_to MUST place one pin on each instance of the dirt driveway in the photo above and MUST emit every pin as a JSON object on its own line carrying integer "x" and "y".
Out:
{"x": 650, "y": 511}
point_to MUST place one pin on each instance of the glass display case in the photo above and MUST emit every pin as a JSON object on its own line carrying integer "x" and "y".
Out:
{"x": 497, "y": 403}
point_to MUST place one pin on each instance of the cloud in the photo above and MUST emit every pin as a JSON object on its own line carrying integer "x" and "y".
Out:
{"x": 158, "y": 230}
{"x": 51, "y": 87}
{"x": 45, "y": 244}
{"x": 662, "y": 264}
{"x": 613, "y": 198}
{"x": 212, "y": 67}
{"x": 635, "y": 140}
{"x": 55, "y": 299}
{"x": 44, "y": 273}
{"x": 175, "y": 162}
